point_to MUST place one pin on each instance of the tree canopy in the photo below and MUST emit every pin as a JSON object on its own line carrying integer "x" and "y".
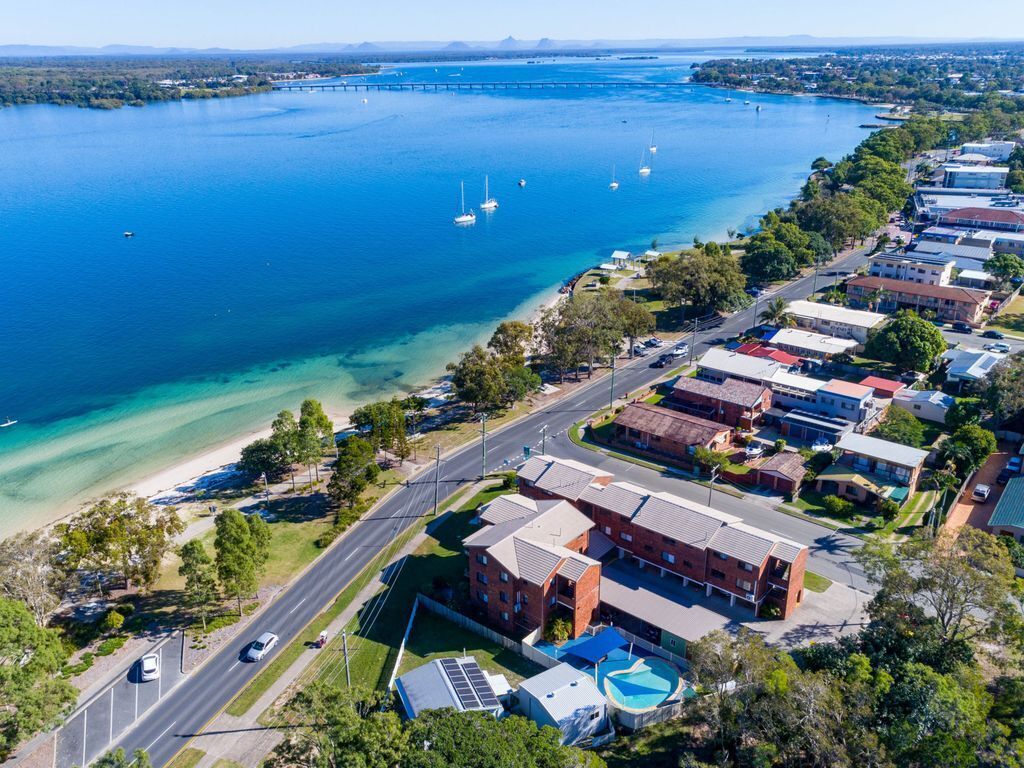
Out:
{"x": 908, "y": 341}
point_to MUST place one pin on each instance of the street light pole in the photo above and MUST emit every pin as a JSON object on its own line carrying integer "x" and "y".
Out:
{"x": 543, "y": 438}
{"x": 711, "y": 485}
{"x": 693, "y": 340}
{"x": 266, "y": 490}
{"x": 437, "y": 473}
{"x": 611, "y": 389}
{"x": 483, "y": 433}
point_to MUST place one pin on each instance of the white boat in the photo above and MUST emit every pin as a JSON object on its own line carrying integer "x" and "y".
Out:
{"x": 654, "y": 147}
{"x": 489, "y": 203}
{"x": 464, "y": 217}
{"x": 129, "y": 234}
{"x": 365, "y": 101}
{"x": 728, "y": 98}
{"x": 745, "y": 101}
{"x": 9, "y": 423}
{"x": 522, "y": 182}
{"x": 614, "y": 184}
{"x": 645, "y": 169}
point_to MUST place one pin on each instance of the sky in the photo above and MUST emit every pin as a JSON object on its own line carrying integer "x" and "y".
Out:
{"x": 271, "y": 23}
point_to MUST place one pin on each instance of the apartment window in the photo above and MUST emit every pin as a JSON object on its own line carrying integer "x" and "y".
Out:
{"x": 482, "y": 595}
{"x": 747, "y": 567}
{"x": 504, "y": 615}
{"x": 917, "y": 407}
{"x": 746, "y": 586}
{"x": 648, "y": 548}
{"x": 482, "y": 559}
{"x": 625, "y": 536}
{"x": 504, "y": 577}
{"x": 525, "y": 599}
{"x": 552, "y": 601}
{"x": 720, "y": 556}
{"x": 717, "y": 574}
{"x": 503, "y": 596}
{"x": 668, "y": 557}
{"x": 481, "y": 577}
{"x": 595, "y": 714}
{"x": 607, "y": 530}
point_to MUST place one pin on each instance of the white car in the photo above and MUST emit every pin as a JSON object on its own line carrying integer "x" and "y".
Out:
{"x": 149, "y": 668}
{"x": 261, "y": 647}
{"x": 981, "y": 492}
{"x": 998, "y": 347}
{"x": 754, "y": 450}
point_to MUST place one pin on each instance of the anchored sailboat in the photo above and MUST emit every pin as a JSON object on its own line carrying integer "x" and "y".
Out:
{"x": 489, "y": 203}
{"x": 654, "y": 147}
{"x": 614, "y": 184}
{"x": 464, "y": 217}
{"x": 645, "y": 168}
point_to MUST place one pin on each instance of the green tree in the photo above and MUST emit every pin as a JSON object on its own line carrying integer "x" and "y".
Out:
{"x": 962, "y": 413}
{"x": 236, "y": 557}
{"x": 355, "y": 457}
{"x": 1002, "y": 391}
{"x": 519, "y": 383}
{"x": 968, "y": 447}
{"x": 776, "y": 312}
{"x": 200, "y": 590}
{"x": 1004, "y": 267}
{"x": 510, "y": 340}
{"x": 264, "y": 455}
{"x": 33, "y": 694}
{"x": 118, "y": 759}
{"x": 636, "y": 321}
{"x": 27, "y": 573}
{"x": 477, "y": 379}
{"x": 901, "y": 426}
{"x": 907, "y": 341}
{"x": 309, "y": 449}
{"x": 766, "y": 260}
{"x": 260, "y": 536}
{"x": 820, "y": 164}
{"x": 285, "y": 434}
{"x": 313, "y": 418}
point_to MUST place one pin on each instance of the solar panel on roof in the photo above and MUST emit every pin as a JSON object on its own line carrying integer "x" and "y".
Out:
{"x": 470, "y": 684}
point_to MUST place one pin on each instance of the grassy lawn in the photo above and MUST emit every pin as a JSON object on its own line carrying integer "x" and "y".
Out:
{"x": 654, "y": 399}
{"x": 433, "y": 637}
{"x": 1010, "y": 319}
{"x": 187, "y": 758}
{"x": 932, "y": 430}
{"x": 911, "y": 515}
{"x": 816, "y": 582}
{"x": 812, "y": 503}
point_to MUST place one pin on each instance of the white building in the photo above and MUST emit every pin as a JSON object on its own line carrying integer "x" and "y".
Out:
{"x": 719, "y": 364}
{"x": 912, "y": 267}
{"x": 959, "y": 176}
{"x": 811, "y": 344}
{"x": 994, "y": 150}
{"x": 566, "y": 699}
{"x": 929, "y": 404}
{"x": 831, "y": 320}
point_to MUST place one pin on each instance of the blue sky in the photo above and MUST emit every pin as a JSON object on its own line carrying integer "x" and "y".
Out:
{"x": 271, "y": 23}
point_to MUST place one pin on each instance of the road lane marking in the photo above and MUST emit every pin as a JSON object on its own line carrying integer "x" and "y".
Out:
{"x": 110, "y": 738}
{"x": 154, "y": 741}
{"x": 345, "y": 559}
{"x": 85, "y": 734}
{"x": 296, "y": 606}
{"x": 234, "y": 665}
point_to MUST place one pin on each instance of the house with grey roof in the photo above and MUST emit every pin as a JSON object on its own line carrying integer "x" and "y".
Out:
{"x": 456, "y": 683}
{"x": 565, "y": 698}
{"x": 927, "y": 404}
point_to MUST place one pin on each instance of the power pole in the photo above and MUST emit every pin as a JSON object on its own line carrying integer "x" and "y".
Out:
{"x": 693, "y": 340}
{"x": 437, "y": 473}
{"x": 611, "y": 389}
{"x": 543, "y": 438}
{"x": 344, "y": 645}
{"x": 711, "y": 485}
{"x": 483, "y": 444}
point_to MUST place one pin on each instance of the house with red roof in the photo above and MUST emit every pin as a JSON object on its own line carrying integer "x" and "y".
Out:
{"x": 984, "y": 218}
{"x": 760, "y": 350}
{"x": 949, "y": 303}
{"x": 883, "y": 387}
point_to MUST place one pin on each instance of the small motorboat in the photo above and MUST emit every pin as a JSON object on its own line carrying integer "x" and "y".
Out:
{"x": 129, "y": 234}
{"x": 522, "y": 182}
{"x": 614, "y": 184}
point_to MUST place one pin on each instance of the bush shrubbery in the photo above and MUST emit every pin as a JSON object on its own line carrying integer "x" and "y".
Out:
{"x": 836, "y": 506}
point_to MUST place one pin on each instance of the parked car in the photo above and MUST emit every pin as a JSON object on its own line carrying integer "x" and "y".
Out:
{"x": 755, "y": 291}
{"x": 1014, "y": 464}
{"x": 261, "y": 647}
{"x": 993, "y": 335}
{"x": 981, "y": 493}
{"x": 662, "y": 361}
{"x": 753, "y": 450}
{"x": 149, "y": 668}
{"x": 639, "y": 350}
{"x": 1012, "y": 469}
{"x": 998, "y": 346}
{"x": 961, "y": 327}
{"x": 654, "y": 341}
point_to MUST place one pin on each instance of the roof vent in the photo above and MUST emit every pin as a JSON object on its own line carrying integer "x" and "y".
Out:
{"x": 574, "y": 683}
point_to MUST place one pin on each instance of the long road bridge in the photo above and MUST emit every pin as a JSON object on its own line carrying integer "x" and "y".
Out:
{"x": 473, "y": 86}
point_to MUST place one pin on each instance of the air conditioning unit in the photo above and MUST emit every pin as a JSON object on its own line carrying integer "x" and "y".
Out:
{"x": 749, "y": 596}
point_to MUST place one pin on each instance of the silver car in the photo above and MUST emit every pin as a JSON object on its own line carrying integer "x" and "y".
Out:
{"x": 261, "y": 647}
{"x": 149, "y": 667}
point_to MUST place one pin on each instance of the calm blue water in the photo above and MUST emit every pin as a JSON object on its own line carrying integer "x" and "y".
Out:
{"x": 294, "y": 244}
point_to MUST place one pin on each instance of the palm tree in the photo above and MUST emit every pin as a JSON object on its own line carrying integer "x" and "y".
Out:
{"x": 775, "y": 314}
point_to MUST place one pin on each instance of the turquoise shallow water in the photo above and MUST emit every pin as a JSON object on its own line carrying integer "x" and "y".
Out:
{"x": 296, "y": 244}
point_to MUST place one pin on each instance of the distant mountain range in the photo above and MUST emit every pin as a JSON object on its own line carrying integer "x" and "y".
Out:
{"x": 508, "y": 44}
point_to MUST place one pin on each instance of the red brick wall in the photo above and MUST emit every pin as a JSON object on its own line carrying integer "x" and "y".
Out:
{"x": 725, "y": 413}
{"x": 793, "y": 596}
{"x": 588, "y": 597}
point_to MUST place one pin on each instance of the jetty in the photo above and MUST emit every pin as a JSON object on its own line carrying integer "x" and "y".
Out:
{"x": 510, "y": 85}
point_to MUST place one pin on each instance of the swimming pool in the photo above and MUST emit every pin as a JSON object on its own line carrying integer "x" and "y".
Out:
{"x": 643, "y": 685}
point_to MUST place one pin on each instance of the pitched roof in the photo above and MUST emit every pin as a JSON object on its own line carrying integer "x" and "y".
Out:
{"x": 742, "y": 542}
{"x": 926, "y": 395}
{"x": 674, "y": 425}
{"x": 971, "y": 364}
{"x": 816, "y": 342}
{"x": 984, "y": 214}
{"x": 744, "y": 366}
{"x": 885, "y": 450}
{"x": 505, "y": 508}
{"x": 760, "y": 350}
{"x": 945, "y": 292}
{"x": 1009, "y": 509}
{"x": 785, "y": 463}
{"x": 731, "y": 390}
{"x": 832, "y": 313}
{"x": 562, "y": 477}
{"x": 621, "y": 498}
{"x": 846, "y": 389}
{"x": 795, "y": 381}
{"x": 682, "y": 520}
{"x": 564, "y": 692}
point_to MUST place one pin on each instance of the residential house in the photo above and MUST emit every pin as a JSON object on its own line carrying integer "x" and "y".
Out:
{"x": 975, "y": 250}
{"x": 967, "y": 366}
{"x": 948, "y": 235}
{"x": 700, "y": 545}
{"x": 667, "y": 434}
{"x": 993, "y": 150}
{"x": 782, "y": 472}
{"x": 883, "y": 387}
{"x": 528, "y": 561}
{"x": 760, "y": 350}
{"x": 928, "y": 404}
{"x": 870, "y": 469}
{"x": 832, "y": 320}
{"x": 1008, "y": 517}
{"x": 719, "y": 364}
{"x": 960, "y": 176}
{"x": 451, "y": 683}
{"x": 791, "y": 390}
{"x": 1001, "y": 219}
{"x": 732, "y": 402}
{"x": 844, "y": 400}
{"x": 949, "y": 303}
{"x": 912, "y": 267}
{"x": 565, "y": 698}
{"x": 803, "y": 426}
{"x": 975, "y": 278}
{"x": 816, "y": 346}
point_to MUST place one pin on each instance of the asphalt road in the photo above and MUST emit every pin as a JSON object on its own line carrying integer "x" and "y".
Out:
{"x": 186, "y": 710}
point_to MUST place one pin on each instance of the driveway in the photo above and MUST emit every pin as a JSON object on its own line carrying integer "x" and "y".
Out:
{"x": 978, "y": 513}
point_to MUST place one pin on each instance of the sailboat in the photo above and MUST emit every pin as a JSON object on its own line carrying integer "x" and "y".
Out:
{"x": 465, "y": 218}
{"x": 614, "y": 184}
{"x": 654, "y": 147}
{"x": 9, "y": 423}
{"x": 489, "y": 203}
{"x": 645, "y": 169}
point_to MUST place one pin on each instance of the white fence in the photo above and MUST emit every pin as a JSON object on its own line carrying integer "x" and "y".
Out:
{"x": 467, "y": 623}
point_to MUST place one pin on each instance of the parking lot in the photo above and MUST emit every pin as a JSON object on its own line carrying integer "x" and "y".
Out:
{"x": 111, "y": 712}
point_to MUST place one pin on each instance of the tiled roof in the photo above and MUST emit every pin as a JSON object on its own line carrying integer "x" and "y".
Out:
{"x": 984, "y": 214}
{"x": 621, "y": 498}
{"x": 733, "y": 391}
{"x": 562, "y": 477}
{"x": 742, "y": 542}
{"x": 1009, "y": 509}
{"x": 673, "y": 425}
{"x": 574, "y": 567}
{"x": 847, "y": 389}
{"x": 505, "y": 508}
{"x": 760, "y": 350}
{"x": 787, "y": 464}
{"x": 946, "y": 292}
{"x": 684, "y": 521}
{"x": 534, "y": 562}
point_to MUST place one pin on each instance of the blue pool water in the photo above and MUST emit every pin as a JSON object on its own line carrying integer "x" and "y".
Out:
{"x": 641, "y": 686}
{"x": 300, "y": 244}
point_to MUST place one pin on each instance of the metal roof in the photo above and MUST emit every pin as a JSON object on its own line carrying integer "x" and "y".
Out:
{"x": 449, "y": 682}
{"x": 887, "y": 451}
{"x": 731, "y": 390}
{"x": 743, "y": 366}
{"x": 563, "y": 691}
{"x": 682, "y": 520}
{"x": 845, "y": 315}
{"x": 1009, "y": 509}
{"x": 562, "y": 477}
{"x": 816, "y": 342}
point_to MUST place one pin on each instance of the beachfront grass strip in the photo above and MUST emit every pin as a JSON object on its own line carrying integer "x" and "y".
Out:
{"x": 434, "y": 637}
{"x": 187, "y": 758}
{"x": 375, "y": 633}
{"x": 816, "y": 582}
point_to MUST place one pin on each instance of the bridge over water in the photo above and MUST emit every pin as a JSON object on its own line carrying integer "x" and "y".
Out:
{"x": 476, "y": 86}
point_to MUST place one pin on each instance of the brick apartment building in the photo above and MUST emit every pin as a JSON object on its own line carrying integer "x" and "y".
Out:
{"x": 696, "y": 543}
{"x": 529, "y": 561}
{"x": 732, "y": 402}
{"x": 667, "y": 434}
{"x": 949, "y": 303}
